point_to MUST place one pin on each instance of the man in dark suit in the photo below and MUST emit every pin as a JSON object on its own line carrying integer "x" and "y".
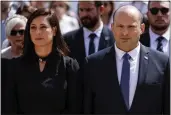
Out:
{"x": 126, "y": 78}
{"x": 92, "y": 36}
{"x": 158, "y": 35}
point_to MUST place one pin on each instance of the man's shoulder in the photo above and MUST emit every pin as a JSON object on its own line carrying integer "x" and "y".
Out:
{"x": 70, "y": 63}
{"x": 72, "y": 34}
{"x": 146, "y": 34}
{"x": 157, "y": 55}
{"x": 100, "y": 54}
{"x": 145, "y": 38}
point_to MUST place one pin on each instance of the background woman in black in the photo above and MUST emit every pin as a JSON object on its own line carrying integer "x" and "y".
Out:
{"x": 43, "y": 80}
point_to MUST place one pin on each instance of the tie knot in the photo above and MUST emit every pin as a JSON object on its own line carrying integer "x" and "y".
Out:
{"x": 92, "y": 35}
{"x": 126, "y": 56}
{"x": 160, "y": 38}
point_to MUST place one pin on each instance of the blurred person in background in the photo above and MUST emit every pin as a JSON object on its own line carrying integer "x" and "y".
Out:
{"x": 158, "y": 35}
{"x": 15, "y": 27}
{"x": 14, "y": 6}
{"x": 25, "y": 10}
{"x": 40, "y": 4}
{"x": 93, "y": 36}
{"x": 107, "y": 15}
{"x": 67, "y": 23}
{"x": 5, "y": 8}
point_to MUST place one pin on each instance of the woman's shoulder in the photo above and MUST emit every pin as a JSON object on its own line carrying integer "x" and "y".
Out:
{"x": 71, "y": 63}
{"x": 17, "y": 62}
{"x": 6, "y": 53}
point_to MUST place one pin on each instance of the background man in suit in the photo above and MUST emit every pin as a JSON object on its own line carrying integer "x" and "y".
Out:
{"x": 158, "y": 36}
{"x": 127, "y": 78}
{"x": 92, "y": 36}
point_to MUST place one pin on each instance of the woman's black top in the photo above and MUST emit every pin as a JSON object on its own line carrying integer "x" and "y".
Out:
{"x": 27, "y": 90}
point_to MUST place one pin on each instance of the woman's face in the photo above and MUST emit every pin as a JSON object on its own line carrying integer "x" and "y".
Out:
{"x": 41, "y": 32}
{"x": 16, "y": 36}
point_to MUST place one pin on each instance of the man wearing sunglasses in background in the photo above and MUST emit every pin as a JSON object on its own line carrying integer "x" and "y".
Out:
{"x": 158, "y": 36}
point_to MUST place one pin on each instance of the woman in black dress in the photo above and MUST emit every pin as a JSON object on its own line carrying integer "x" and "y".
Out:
{"x": 43, "y": 79}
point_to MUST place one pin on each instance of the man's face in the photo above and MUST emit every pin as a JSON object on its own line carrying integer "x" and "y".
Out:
{"x": 5, "y": 9}
{"x": 159, "y": 19}
{"x": 89, "y": 14}
{"x": 127, "y": 29}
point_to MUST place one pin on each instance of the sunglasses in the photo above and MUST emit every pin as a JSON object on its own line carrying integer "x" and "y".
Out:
{"x": 14, "y": 32}
{"x": 155, "y": 11}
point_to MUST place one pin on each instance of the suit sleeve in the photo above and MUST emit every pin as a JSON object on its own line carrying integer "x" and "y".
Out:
{"x": 72, "y": 68}
{"x": 87, "y": 86}
{"x": 166, "y": 93}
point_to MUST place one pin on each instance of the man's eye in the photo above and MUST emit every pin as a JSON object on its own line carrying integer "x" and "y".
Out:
{"x": 131, "y": 26}
{"x": 43, "y": 27}
{"x": 88, "y": 9}
{"x": 81, "y": 10}
{"x": 120, "y": 26}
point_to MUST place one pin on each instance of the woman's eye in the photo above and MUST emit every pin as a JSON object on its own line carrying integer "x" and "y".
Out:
{"x": 33, "y": 27}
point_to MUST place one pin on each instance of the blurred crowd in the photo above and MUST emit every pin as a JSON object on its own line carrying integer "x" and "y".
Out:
{"x": 65, "y": 10}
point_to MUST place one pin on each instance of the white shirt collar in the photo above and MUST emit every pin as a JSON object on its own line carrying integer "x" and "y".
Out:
{"x": 97, "y": 31}
{"x": 133, "y": 53}
{"x": 154, "y": 36}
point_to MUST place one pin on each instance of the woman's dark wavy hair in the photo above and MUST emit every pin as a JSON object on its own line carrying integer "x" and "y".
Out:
{"x": 58, "y": 42}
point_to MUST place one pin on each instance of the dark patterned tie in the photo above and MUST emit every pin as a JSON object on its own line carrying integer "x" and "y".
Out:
{"x": 125, "y": 77}
{"x": 160, "y": 45}
{"x": 91, "y": 43}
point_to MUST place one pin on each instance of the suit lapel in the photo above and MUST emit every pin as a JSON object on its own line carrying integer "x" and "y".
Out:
{"x": 143, "y": 64}
{"x": 112, "y": 72}
{"x": 104, "y": 39}
{"x": 111, "y": 62}
{"x": 143, "y": 67}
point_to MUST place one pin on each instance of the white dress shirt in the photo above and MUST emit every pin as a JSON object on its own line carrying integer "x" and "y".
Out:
{"x": 134, "y": 68}
{"x": 87, "y": 32}
{"x": 165, "y": 42}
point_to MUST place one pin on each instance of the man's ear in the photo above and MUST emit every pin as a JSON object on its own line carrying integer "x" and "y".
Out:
{"x": 101, "y": 8}
{"x": 142, "y": 28}
{"x": 147, "y": 14}
{"x": 111, "y": 25}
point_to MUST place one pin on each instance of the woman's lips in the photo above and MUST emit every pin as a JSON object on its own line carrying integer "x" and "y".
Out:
{"x": 38, "y": 38}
